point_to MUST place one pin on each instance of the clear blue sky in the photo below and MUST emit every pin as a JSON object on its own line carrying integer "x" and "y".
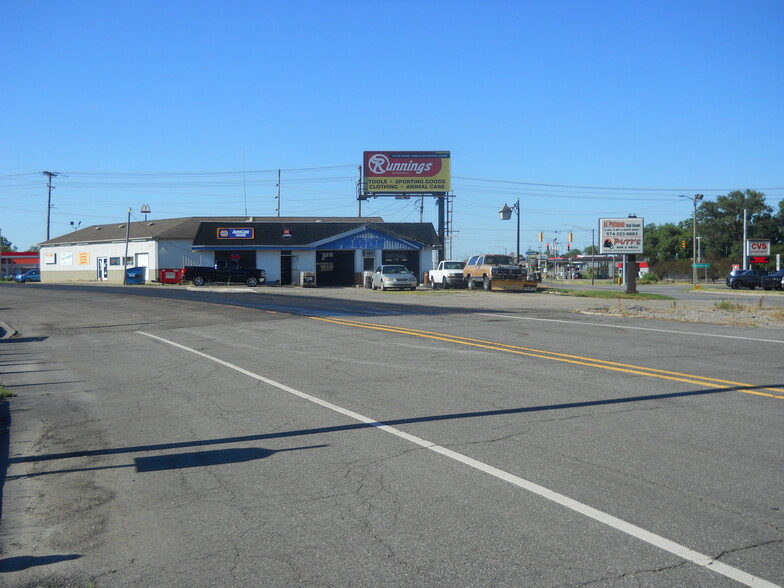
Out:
{"x": 581, "y": 109}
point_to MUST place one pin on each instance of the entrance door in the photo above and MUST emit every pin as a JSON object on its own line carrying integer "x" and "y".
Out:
{"x": 103, "y": 269}
{"x": 285, "y": 268}
{"x": 143, "y": 260}
{"x": 289, "y": 269}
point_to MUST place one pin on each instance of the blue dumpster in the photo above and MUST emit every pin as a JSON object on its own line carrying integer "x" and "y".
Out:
{"x": 134, "y": 276}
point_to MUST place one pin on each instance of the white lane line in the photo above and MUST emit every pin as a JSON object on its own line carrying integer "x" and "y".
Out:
{"x": 675, "y": 548}
{"x": 590, "y": 324}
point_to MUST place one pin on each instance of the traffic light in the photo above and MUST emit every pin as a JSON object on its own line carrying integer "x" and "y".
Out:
{"x": 568, "y": 246}
{"x": 683, "y": 244}
{"x": 540, "y": 236}
{"x": 570, "y": 237}
{"x": 548, "y": 246}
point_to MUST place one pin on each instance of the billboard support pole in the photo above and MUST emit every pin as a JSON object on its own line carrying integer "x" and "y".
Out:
{"x": 441, "y": 223}
{"x": 631, "y": 273}
{"x": 360, "y": 193}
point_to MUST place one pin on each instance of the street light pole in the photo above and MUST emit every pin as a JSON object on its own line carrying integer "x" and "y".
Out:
{"x": 696, "y": 198}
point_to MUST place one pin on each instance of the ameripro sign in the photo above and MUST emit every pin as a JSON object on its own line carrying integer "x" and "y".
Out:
{"x": 399, "y": 172}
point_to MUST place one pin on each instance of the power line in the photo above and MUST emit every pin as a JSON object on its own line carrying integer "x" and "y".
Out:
{"x": 520, "y": 183}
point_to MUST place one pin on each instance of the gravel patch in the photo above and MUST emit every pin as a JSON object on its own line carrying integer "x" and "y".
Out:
{"x": 742, "y": 316}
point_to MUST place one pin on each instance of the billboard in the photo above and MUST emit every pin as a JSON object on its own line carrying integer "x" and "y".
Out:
{"x": 621, "y": 236}
{"x": 406, "y": 172}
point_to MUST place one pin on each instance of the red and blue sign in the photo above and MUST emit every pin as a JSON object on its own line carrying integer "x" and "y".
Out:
{"x": 243, "y": 233}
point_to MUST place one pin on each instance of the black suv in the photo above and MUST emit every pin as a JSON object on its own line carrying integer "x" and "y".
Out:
{"x": 774, "y": 281}
{"x": 745, "y": 279}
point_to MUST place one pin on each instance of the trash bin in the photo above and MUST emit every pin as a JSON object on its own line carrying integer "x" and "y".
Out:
{"x": 134, "y": 276}
{"x": 170, "y": 276}
{"x": 367, "y": 279}
{"x": 307, "y": 279}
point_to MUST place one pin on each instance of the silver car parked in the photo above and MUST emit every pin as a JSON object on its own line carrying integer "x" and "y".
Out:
{"x": 393, "y": 276}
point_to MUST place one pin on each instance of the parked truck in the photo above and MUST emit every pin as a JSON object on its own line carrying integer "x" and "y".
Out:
{"x": 225, "y": 273}
{"x": 448, "y": 274}
{"x": 497, "y": 272}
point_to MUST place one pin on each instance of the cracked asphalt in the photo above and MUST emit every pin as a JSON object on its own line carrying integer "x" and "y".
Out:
{"x": 179, "y": 437}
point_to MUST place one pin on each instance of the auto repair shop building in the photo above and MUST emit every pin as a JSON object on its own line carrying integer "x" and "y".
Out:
{"x": 337, "y": 250}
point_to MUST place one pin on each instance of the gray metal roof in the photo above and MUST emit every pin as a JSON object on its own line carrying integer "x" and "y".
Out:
{"x": 180, "y": 228}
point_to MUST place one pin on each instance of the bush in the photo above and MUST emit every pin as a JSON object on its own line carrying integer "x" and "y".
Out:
{"x": 648, "y": 278}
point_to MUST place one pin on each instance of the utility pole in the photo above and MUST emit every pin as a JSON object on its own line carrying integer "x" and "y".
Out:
{"x": 49, "y": 202}
{"x": 127, "y": 238}
{"x": 278, "y": 210}
{"x": 745, "y": 237}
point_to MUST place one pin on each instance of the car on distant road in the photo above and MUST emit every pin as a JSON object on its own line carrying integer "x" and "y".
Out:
{"x": 33, "y": 275}
{"x": 774, "y": 281}
{"x": 749, "y": 278}
{"x": 393, "y": 276}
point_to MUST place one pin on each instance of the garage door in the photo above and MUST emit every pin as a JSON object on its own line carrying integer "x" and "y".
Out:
{"x": 334, "y": 268}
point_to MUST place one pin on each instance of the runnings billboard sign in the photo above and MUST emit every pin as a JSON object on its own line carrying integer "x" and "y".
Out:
{"x": 406, "y": 172}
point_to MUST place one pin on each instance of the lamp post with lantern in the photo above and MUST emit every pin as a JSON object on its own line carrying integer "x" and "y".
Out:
{"x": 506, "y": 214}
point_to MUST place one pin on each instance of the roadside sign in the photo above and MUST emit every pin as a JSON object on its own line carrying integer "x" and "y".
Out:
{"x": 700, "y": 265}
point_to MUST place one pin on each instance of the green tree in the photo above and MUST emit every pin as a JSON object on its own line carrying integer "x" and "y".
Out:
{"x": 5, "y": 245}
{"x": 720, "y": 222}
{"x": 664, "y": 242}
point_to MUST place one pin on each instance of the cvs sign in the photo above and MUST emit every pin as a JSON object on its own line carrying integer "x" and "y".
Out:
{"x": 758, "y": 247}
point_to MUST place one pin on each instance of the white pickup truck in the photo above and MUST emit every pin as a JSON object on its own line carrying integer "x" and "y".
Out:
{"x": 448, "y": 274}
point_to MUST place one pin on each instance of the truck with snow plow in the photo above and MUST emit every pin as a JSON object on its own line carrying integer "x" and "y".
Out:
{"x": 497, "y": 272}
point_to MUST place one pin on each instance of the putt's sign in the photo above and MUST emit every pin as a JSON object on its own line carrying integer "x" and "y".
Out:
{"x": 406, "y": 172}
{"x": 621, "y": 236}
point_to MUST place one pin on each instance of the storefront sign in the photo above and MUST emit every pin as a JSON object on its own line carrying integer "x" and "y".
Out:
{"x": 758, "y": 247}
{"x": 243, "y": 233}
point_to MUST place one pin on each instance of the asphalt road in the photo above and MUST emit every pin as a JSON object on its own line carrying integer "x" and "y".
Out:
{"x": 283, "y": 437}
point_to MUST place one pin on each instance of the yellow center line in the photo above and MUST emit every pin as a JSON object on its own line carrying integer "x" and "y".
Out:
{"x": 561, "y": 357}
